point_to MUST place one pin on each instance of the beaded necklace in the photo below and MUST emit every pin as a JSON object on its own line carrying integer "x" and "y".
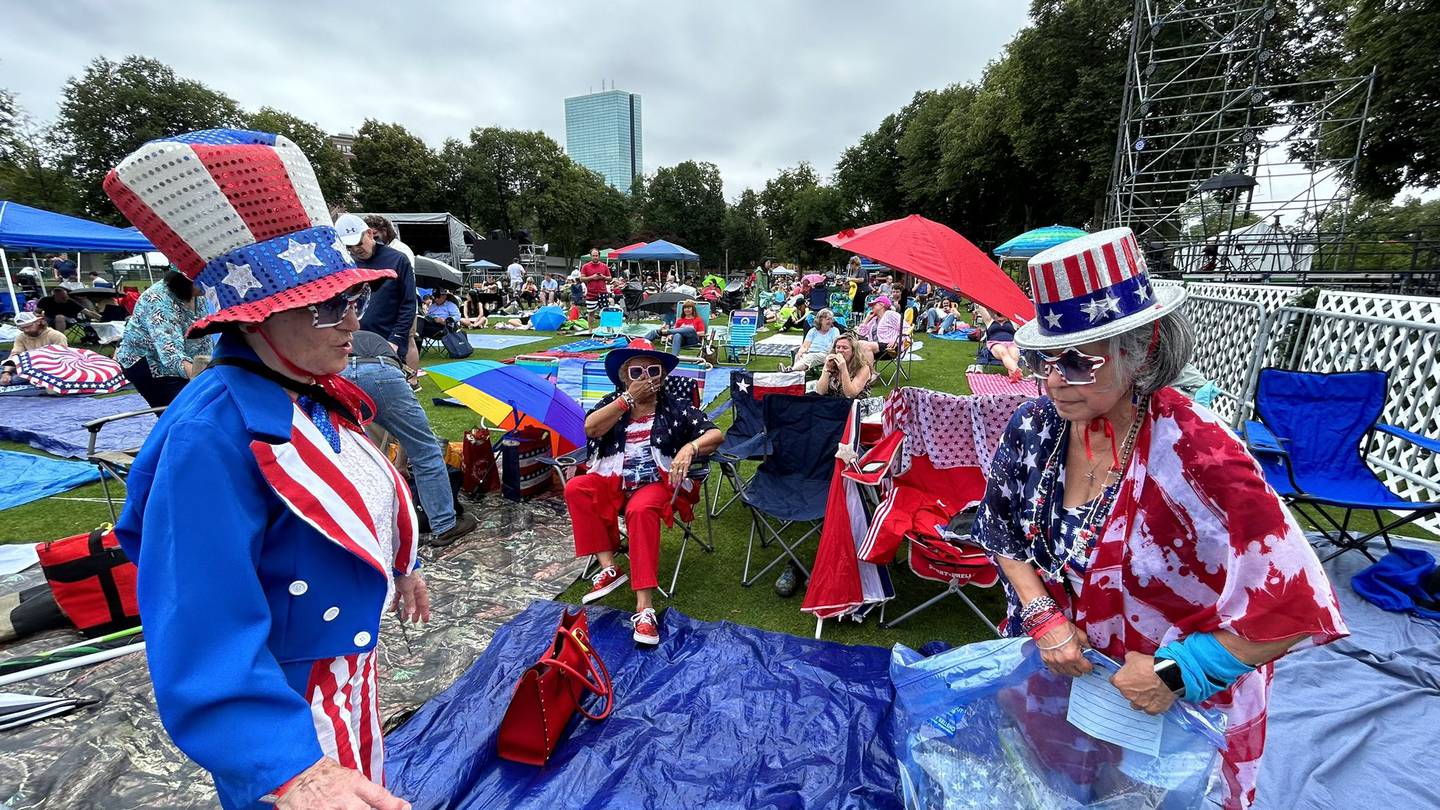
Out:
{"x": 1043, "y": 512}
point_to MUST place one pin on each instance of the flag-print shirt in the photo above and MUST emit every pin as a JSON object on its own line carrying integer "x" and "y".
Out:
{"x": 639, "y": 467}
{"x": 1196, "y": 542}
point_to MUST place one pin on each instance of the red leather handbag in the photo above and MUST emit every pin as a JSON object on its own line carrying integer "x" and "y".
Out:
{"x": 550, "y": 691}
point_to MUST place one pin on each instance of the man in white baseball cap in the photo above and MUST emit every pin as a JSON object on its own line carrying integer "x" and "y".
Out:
{"x": 390, "y": 311}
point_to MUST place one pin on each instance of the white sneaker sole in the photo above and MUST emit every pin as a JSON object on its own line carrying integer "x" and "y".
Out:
{"x": 605, "y": 591}
{"x": 647, "y": 640}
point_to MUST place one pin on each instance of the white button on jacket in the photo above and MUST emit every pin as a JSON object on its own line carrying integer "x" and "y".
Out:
{"x": 299, "y": 587}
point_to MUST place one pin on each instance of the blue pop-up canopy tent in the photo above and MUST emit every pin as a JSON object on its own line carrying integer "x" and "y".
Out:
{"x": 26, "y": 228}
{"x": 1032, "y": 242}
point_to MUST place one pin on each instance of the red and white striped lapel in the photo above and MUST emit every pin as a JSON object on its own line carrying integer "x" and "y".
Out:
{"x": 304, "y": 474}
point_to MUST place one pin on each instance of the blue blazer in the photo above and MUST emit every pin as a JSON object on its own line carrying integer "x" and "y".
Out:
{"x": 238, "y": 592}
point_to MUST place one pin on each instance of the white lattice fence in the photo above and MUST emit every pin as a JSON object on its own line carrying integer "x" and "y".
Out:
{"x": 1269, "y": 296}
{"x": 1314, "y": 340}
{"x": 1376, "y": 305}
{"x": 1227, "y": 332}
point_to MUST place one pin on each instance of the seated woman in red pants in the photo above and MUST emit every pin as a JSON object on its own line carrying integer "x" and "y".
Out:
{"x": 642, "y": 443}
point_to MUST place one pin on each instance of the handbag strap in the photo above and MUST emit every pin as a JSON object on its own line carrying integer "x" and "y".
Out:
{"x": 601, "y": 684}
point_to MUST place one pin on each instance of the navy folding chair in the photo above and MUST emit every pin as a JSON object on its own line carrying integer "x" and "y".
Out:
{"x": 792, "y": 483}
{"x": 744, "y": 441}
{"x": 1314, "y": 433}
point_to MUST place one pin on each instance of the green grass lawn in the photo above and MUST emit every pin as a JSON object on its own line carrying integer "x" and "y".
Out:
{"x": 709, "y": 586}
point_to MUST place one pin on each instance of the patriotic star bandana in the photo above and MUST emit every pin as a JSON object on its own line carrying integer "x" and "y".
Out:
{"x": 1196, "y": 542}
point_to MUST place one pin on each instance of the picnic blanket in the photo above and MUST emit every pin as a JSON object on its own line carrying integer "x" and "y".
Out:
{"x": 1000, "y": 385}
{"x": 30, "y": 477}
{"x": 778, "y": 345}
{"x": 719, "y": 715}
{"x": 54, "y": 424}
{"x": 117, "y": 755}
{"x": 601, "y": 344}
{"x": 502, "y": 341}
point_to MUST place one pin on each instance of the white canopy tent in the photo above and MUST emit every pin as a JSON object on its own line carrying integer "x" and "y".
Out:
{"x": 1259, "y": 248}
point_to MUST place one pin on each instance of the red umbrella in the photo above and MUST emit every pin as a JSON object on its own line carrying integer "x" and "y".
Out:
{"x": 62, "y": 370}
{"x": 615, "y": 254}
{"x": 941, "y": 256}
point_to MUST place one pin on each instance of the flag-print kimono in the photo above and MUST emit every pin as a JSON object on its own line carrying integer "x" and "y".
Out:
{"x": 1196, "y": 542}
{"x": 264, "y": 569}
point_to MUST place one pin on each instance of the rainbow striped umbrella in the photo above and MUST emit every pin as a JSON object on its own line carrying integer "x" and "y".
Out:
{"x": 62, "y": 370}
{"x": 512, "y": 398}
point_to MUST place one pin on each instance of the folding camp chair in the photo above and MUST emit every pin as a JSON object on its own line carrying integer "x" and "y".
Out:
{"x": 682, "y": 385}
{"x": 114, "y": 463}
{"x": 702, "y": 309}
{"x": 792, "y": 483}
{"x": 896, "y": 361}
{"x": 734, "y": 345}
{"x": 612, "y": 322}
{"x": 1314, "y": 433}
{"x": 745, "y": 440}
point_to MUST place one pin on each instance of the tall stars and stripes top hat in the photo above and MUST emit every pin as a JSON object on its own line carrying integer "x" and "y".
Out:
{"x": 240, "y": 213}
{"x": 1091, "y": 288}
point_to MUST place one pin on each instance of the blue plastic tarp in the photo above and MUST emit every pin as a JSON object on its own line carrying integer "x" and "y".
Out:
{"x": 717, "y": 716}
{"x": 31, "y": 477}
{"x": 56, "y": 424}
{"x": 659, "y": 250}
{"x": 23, "y": 227}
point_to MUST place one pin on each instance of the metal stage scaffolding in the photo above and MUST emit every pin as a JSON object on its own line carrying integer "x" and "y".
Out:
{"x": 1220, "y": 167}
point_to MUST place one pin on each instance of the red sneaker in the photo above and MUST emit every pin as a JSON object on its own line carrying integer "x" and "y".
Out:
{"x": 647, "y": 627}
{"x": 604, "y": 582}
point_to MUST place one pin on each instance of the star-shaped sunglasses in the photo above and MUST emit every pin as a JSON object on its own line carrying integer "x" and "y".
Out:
{"x": 1076, "y": 367}
{"x": 332, "y": 311}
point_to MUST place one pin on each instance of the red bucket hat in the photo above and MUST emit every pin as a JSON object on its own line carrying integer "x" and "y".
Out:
{"x": 240, "y": 213}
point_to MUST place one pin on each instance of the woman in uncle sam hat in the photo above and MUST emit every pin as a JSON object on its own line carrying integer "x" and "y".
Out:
{"x": 269, "y": 533}
{"x": 1128, "y": 519}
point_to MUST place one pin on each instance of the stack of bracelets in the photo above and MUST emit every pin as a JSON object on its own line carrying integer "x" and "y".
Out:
{"x": 1041, "y": 615}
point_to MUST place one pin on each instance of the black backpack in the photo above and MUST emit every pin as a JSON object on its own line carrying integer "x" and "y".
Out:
{"x": 457, "y": 345}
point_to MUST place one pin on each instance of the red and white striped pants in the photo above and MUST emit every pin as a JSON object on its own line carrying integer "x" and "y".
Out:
{"x": 346, "y": 711}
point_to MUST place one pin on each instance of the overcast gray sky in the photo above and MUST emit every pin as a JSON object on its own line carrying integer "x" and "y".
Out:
{"x": 751, "y": 86}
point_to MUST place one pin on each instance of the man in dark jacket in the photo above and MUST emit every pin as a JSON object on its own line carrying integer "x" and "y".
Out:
{"x": 390, "y": 312}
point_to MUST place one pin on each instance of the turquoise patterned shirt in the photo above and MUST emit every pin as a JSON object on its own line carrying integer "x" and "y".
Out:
{"x": 156, "y": 333}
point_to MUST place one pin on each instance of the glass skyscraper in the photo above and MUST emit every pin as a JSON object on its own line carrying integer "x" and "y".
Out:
{"x": 602, "y": 133}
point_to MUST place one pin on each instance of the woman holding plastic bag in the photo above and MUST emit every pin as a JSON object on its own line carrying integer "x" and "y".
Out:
{"x": 1128, "y": 519}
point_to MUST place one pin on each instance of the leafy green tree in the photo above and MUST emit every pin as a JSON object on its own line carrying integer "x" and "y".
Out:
{"x": 747, "y": 239}
{"x": 454, "y": 195}
{"x": 818, "y": 211}
{"x": 30, "y": 171}
{"x": 394, "y": 169}
{"x": 777, "y": 206}
{"x": 332, "y": 168}
{"x": 113, "y": 108}
{"x": 1400, "y": 40}
{"x": 867, "y": 171}
{"x": 685, "y": 204}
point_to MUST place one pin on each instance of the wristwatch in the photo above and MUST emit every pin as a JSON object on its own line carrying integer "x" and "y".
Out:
{"x": 1169, "y": 673}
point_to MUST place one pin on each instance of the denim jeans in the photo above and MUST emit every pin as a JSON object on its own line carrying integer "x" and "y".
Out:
{"x": 398, "y": 411}
{"x": 679, "y": 336}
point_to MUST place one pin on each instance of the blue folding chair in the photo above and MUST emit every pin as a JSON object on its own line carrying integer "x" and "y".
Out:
{"x": 744, "y": 441}
{"x": 792, "y": 483}
{"x": 1314, "y": 433}
{"x": 735, "y": 343}
{"x": 612, "y": 322}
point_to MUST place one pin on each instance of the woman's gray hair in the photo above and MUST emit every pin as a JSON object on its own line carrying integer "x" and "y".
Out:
{"x": 1146, "y": 370}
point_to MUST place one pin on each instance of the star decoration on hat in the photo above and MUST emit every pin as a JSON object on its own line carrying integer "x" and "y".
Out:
{"x": 301, "y": 256}
{"x": 1142, "y": 293}
{"x": 1112, "y": 304}
{"x": 240, "y": 279}
{"x": 1052, "y": 320}
{"x": 1094, "y": 309}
